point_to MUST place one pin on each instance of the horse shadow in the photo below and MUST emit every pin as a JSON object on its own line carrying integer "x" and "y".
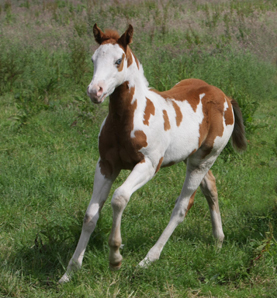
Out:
{"x": 53, "y": 243}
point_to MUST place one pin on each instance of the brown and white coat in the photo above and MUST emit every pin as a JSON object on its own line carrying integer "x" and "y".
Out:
{"x": 146, "y": 130}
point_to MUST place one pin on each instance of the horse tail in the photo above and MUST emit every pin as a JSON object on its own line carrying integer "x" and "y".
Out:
{"x": 238, "y": 136}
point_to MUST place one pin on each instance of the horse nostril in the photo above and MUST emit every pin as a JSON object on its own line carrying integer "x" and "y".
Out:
{"x": 100, "y": 91}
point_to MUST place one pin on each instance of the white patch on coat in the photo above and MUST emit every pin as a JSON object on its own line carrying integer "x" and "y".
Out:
{"x": 225, "y": 105}
{"x": 201, "y": 96}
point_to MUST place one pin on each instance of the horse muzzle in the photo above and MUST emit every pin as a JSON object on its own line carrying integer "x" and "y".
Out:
{"x": 96, "y": 94}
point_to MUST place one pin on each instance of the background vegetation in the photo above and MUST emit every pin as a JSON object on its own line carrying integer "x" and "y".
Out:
{"x": 48, "y": 149}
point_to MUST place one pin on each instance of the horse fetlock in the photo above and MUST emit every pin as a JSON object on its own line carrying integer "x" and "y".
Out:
{"x": 71, "y": 268}
{"x": 73, "y": 265}
{"x": 152, "y": 256}
{"x": 219, "y": 237}
{"x": 115, "y": 259}
{"x": 65, "y": 278}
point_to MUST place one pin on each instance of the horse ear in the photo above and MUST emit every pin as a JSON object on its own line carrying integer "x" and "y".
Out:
{"x": 98, "y": 34}
{"x": 126, "y": 37}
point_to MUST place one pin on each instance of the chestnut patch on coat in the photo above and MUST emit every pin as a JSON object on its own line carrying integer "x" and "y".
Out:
{"x": 191, "y": 201}
{"x": 149, "y": 109}
{"x": 159, "y": 164}
{"x": 105, "y": 168}
{"x": 129, "y": 57}
{"x": 212, "y": 124}
{"x": 120, "y": 67}
{"x": 208, "y": 186}
{"x": 118, "y": 150}
{"x": 188, "y": 90}
{"x": 171, "y": 163}
{"x": 109, "y": 36}
{"x": 166, "y": 121}
{"x": 140, "y": 139}
{"x": 179, "y": 115}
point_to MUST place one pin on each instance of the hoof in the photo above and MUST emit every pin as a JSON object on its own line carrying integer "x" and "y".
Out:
{"x": 218, "y": 244}
{"x": 65, "y": 278}
{"x": 145, "y": 263}
{"x": 115, "y": 267}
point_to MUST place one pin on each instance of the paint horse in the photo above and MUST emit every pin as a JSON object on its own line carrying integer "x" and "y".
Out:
{"x": 146, "y": 130}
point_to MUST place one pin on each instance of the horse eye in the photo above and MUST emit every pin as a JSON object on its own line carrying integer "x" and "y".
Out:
{"x": 117, "y": 62}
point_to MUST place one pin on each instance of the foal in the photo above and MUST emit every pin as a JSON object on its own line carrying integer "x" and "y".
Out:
{"x": 146, "y": 130}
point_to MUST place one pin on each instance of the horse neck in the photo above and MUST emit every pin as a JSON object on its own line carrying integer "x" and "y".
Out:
{"x": 129, "y": 95}
{"x": 121, "y": 100}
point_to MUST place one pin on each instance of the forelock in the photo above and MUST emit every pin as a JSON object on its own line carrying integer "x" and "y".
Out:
{"x": 110, "y": 36}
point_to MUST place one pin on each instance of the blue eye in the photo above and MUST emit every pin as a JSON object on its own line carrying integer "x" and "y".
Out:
{"x": 117, "y": 62}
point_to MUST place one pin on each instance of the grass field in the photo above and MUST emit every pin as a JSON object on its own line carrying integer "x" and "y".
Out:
{"x": 48, "y": 150}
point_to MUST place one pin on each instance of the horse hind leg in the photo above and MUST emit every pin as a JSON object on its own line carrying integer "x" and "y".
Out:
{"x": 195, "y": 174}
{"x": 208, "y": 187}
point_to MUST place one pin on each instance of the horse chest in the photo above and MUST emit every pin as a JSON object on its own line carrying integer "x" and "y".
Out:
{"x": 119, "y": 146}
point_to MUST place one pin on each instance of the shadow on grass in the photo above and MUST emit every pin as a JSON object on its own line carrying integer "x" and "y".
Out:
{"x": 54, "y": 243}
{"x": 49, "y": 251}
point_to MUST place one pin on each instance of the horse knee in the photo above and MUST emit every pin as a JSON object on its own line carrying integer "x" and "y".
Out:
{"x": 178, "y": 214}
{"x": 90, "y": 221}
{"x": 119, "y": 200}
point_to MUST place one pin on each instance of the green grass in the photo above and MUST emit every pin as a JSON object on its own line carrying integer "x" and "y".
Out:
{"x": 48, "y": 151}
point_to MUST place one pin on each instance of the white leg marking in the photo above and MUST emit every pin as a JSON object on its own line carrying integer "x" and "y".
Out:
{"x": 141, "y": 174}
{"x": 195, "y": 174}
{"x": 101, "y": 191}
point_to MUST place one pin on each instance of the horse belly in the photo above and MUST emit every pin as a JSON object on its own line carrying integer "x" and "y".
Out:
{"x": 180, "y": 147}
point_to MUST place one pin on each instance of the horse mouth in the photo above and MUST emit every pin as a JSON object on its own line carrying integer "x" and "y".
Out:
{"x": 97, "y": 100}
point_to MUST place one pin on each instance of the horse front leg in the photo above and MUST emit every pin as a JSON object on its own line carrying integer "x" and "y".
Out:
{"x": 101, "y": 189}
{"x": 140, "y": 175}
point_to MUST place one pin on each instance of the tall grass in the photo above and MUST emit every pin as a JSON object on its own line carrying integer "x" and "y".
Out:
{"x": 225, "y": 59}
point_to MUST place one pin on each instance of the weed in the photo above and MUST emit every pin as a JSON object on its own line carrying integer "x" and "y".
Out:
{"x": 164, "y": 21}
{"x": 80, "y": 27}
{"x": 27, "y": 105}
{"x": 7, "y": 6}
{"x": 10, "y": 70}
{"x": 77, "y": 59}
{"x": 267, "y": 246}
{"x": 248, "y": 107}
{"x": 212, "y": 19}
{"x": 25, "y": 4}
{"x": 8, "y": 9}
